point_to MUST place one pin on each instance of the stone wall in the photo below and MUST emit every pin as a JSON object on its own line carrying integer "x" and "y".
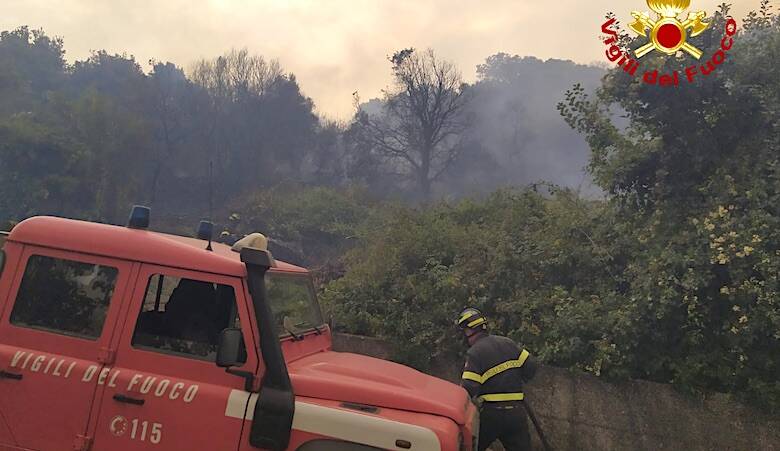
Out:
{"x": 582, "y": 412}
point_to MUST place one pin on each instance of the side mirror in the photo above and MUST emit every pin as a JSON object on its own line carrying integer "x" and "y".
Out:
{"x": 229, "y": 348}
{"x": 231, "y": 352}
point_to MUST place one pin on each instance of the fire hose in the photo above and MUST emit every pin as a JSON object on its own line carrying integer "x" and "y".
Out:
{"x": 537, "y": 426}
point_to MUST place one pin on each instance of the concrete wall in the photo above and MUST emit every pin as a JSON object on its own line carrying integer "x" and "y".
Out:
{"x": 582, "y": 412}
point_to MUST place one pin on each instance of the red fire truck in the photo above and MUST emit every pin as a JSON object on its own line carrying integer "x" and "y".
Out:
{"x": 120, "y": 338}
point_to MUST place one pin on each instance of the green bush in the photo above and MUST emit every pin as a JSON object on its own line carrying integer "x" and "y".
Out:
{"x": 580, "y": 284}
{"x": 521, "y": 257}
{"x": 310, "y": 226}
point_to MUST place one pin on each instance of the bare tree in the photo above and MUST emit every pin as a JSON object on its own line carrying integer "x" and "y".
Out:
{"x": 236, "y": 74}
{"x": 421, "y": 125}
{"x": 234, "y": 82}
{"x": 229, "y": 79}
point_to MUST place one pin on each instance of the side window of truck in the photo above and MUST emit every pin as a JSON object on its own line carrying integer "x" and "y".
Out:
{"x": 64, "y": 296}
{"x": 184, "y": 316}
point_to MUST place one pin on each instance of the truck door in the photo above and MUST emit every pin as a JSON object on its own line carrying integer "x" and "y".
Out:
{"x": 168, "y": 392}
{"x": 54, "y": 339}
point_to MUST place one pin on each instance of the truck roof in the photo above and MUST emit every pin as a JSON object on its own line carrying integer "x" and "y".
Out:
{"x": 134, "y": 245}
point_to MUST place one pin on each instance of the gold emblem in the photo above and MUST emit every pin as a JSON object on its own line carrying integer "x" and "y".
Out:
{"x": 668, "y": 34}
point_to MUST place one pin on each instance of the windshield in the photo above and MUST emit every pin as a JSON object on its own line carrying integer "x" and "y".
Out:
{"x": 293, "y": 303}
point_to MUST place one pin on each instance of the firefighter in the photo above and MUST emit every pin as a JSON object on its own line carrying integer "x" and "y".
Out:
{"x": 494, "y": 373}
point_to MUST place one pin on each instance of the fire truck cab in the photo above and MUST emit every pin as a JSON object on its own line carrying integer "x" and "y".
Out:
{"x": 121, "y": 338}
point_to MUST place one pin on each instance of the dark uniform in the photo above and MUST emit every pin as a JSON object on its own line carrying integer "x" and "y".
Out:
{"x": 495, "y": 371}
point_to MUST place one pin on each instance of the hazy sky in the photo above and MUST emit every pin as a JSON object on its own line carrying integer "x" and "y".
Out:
{"x": 334, "y": 47}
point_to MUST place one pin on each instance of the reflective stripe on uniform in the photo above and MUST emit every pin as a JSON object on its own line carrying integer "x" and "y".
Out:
{"x": 500, "y": 368}
{"x": 496, "y": 397}
{"x": 468, "y": 375}
{"x": 466, "y": 316}
{"x": 517, "y": 363}
{"x": 476, "y": 322}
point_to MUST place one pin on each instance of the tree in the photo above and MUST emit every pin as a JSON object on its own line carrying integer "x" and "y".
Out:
{"x": 108, "y": 109}
{"x": 41, "y": 169}
{"x": 326, "y": 164}
{"x": 31, "y": 65}
{"x": 236, "y": 74}
{"x": 259, "y": 124}
{"x": 176, "y": 121}
{"x": 421, "y": 125}
{"x": 693, "y": 173}
{"x": 118, "y": 143}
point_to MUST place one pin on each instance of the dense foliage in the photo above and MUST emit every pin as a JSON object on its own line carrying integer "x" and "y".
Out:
{"x": 312, "y": 227}
{"x": 528, "y": 261}
{"x": 89, "y": 138}
{"x": 674, "y": 279}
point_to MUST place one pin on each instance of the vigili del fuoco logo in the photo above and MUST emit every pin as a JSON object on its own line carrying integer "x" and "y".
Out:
{"x": 666, "y": 33}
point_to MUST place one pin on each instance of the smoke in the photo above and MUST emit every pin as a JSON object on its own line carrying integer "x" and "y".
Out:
{"x": 519, "y": 137}
{"x": 334, "y": 47}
